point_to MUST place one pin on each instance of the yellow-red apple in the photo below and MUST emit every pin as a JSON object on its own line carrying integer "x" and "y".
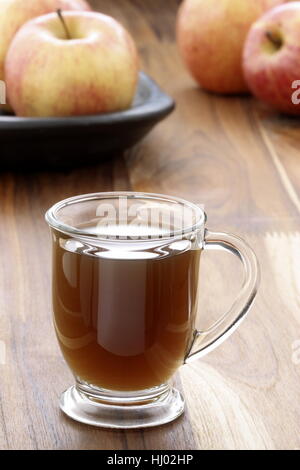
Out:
{"x": 14, "y": 13}
{"x": 211, "y": 35}
{"x": 82, "y": 63}
{"x": 272, "y": 58}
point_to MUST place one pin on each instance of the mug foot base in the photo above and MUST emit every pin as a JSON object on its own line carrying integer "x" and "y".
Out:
{"x": 88, "y": 410}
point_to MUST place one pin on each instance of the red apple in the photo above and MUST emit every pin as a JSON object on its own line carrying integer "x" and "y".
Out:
{"x": 211, "y": 35}
{"x": 81, "y": 63}
{"x": 272, "y": 58}
{"x": 14, "y": 13}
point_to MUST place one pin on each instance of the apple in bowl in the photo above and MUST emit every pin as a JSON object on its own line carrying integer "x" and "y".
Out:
{"x": 211, "y": 35}
{"x": 70, "y": 64}
{"x": 271, "y": 58}
{"x": 14, "y": 13}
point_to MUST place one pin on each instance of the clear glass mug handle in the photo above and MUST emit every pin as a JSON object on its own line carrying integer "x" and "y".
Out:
{"x": 205, "y": 341}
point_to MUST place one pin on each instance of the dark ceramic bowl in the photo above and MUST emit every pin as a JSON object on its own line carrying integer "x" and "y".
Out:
{"x": 65, "y": 142}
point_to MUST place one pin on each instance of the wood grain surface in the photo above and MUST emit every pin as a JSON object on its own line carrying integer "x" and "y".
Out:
{"x": 243, "y": 162}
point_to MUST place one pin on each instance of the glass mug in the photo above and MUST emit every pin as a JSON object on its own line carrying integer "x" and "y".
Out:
{"x": 125, "y": 289}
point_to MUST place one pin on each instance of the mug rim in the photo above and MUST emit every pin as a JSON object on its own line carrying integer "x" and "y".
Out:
{"x": 53, "y": 221}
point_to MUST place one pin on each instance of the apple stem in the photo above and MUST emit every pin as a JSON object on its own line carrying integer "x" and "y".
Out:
{"x": 60, "y": 15}
{"x": 274, "y": 39}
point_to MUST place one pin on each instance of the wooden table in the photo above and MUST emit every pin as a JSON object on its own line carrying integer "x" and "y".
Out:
{"x": 243, "y": 163}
